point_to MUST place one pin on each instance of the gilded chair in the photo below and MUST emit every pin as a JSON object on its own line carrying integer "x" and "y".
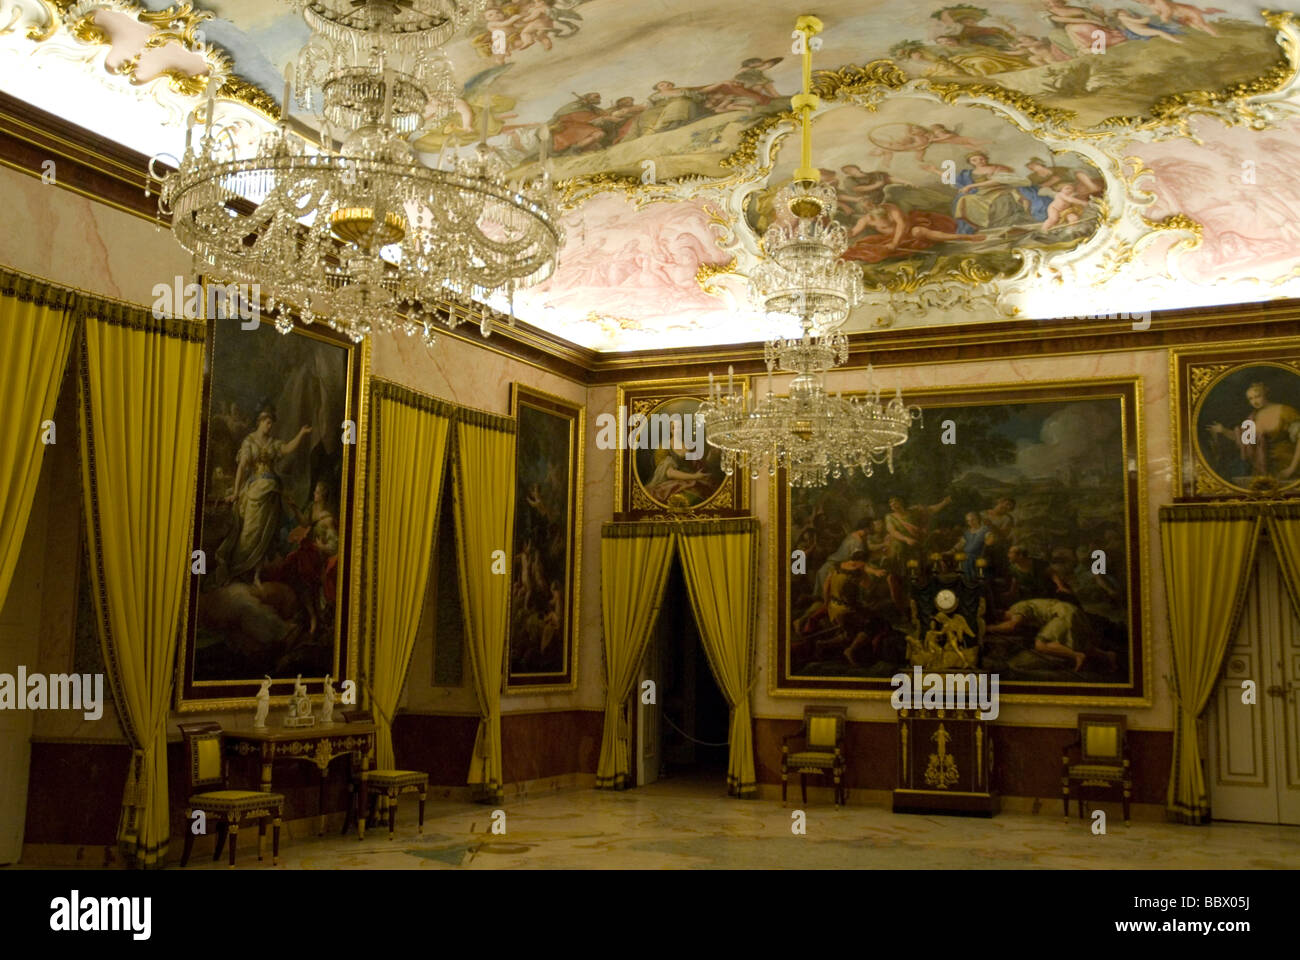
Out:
{"x": 820, "y": 750}
{"x": 1102, "y": 760}
{"x": 205, "y": 765}
{"x": 381, "y": 788}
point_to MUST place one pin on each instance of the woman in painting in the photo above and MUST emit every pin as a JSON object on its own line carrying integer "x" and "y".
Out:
{"x": 992, "y": 195}
{"x": 669, "y": 107}
{"x": 972, "y": 543}
{"x": 257, "y": 500}
{"x": 1276, "y": 448}
{"x": 310, "y": 566}
{"x": 674, "y": 482}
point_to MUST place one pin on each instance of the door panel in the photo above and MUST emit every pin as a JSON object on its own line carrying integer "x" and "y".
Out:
{"x": 1254, "y": 756}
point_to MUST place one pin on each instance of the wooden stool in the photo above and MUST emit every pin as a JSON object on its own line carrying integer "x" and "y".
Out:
{"x": 388, "y": 785}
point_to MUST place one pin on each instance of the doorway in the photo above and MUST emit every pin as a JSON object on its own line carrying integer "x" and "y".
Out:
{"x": 683, "y": 737}
{"x": 1253, "y": 764}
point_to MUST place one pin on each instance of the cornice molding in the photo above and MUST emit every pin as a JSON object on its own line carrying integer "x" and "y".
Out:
{"x": 106, "y": 172}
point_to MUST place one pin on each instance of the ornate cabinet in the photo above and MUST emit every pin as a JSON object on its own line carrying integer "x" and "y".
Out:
{"x": 945, "y": 763}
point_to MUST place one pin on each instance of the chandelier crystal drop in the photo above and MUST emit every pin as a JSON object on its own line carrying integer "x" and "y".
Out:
{"x": 810, "y": 434}
{"x": 364, "y": 238}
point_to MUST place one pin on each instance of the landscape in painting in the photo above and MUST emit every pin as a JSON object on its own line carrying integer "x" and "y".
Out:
{"x": 1038, "y": 491}
{"x": 273, "y": 506}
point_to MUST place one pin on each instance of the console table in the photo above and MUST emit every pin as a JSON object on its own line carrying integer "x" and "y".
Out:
{"x": 320, "y": 744}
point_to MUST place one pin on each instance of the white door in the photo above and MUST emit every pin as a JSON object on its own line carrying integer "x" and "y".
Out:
{"x": 1254, "y": 758}
{"x": 648, "y": 733}
{"x": 20, "y": 621}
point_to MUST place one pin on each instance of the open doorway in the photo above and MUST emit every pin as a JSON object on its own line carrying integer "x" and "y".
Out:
{"x": 685, "y": 739}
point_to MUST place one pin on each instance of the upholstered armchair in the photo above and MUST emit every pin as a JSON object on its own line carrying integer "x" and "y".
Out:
{"x": 1099, "y": 758}
{"x": 381, "y": 788}
{"x": 205, "y": 766}
{"x": 818, "y": 749}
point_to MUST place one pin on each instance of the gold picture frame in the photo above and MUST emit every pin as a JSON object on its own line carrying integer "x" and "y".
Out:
{"x": 529, "y": 667}
{"x": 638, "y": 495}
{"x": 1136, "y": 692}
{"x": 1210, "y": 408}
{"x": 239, "y": 692}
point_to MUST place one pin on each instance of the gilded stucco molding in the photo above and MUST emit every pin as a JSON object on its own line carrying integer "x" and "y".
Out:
{"x": 180, "y": 24}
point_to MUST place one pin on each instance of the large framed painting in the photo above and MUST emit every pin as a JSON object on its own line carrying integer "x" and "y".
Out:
{"x": 666, "y": 467}
{"x": 1023, "y": 501}
{"x": 543, "y": 642}
{"x": 1236, "y": 415}
{"x": 274, "y": 516}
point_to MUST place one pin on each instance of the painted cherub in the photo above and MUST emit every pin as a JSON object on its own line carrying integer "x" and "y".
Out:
{"x": 1064, "y": 207}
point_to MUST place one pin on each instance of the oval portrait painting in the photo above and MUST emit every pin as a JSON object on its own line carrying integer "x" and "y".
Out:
{"x": 673, "y": 464}
{"x": 1247, "y": 427}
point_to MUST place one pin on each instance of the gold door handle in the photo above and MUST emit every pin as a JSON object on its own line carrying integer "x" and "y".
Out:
{"x": 1275, "y": 690}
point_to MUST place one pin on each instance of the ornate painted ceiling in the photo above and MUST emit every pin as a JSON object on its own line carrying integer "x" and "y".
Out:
{"x": 1013, "y": 158}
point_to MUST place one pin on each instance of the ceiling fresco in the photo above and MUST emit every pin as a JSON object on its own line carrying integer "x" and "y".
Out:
{"x": 1003, "y": 159}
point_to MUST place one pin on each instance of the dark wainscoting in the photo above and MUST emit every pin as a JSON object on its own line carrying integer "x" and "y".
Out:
{"x": 74, "y": 792}
{"x": 534, "y": 745}
{"x": 1026, "y": 760}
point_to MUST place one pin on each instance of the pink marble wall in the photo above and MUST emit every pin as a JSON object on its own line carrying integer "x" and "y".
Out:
{"x": 73, "y": 240}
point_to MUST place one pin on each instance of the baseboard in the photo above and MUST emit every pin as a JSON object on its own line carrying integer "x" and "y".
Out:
{"x": 1036, "y": 806}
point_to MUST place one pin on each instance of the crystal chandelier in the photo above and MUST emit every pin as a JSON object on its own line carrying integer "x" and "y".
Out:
{"x": 366, "y": 238}
{"x": 809, "y": 433}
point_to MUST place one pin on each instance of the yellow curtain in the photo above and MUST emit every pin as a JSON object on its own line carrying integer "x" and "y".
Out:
{"x": 35, "y": 332}
{"x": 408, "y": 445}
{"x": 634, "y": 559}
{"x": 1209, "y": 555}
{"x": 141, "y": 382}
{"x": 484, "y": 501}
{"x": 1284, "y": 530}
{"x": 719, "y": 559}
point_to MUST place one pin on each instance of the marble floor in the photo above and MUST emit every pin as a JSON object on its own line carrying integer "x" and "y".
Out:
{"x": 695, "y": 826}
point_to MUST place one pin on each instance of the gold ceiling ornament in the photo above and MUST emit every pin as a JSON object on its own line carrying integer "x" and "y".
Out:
{"x": 249, "y": 94}
{"x": 180, "y": 23}
{"x": 706, "y": 272}
{"x": 1178, "y": 221}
